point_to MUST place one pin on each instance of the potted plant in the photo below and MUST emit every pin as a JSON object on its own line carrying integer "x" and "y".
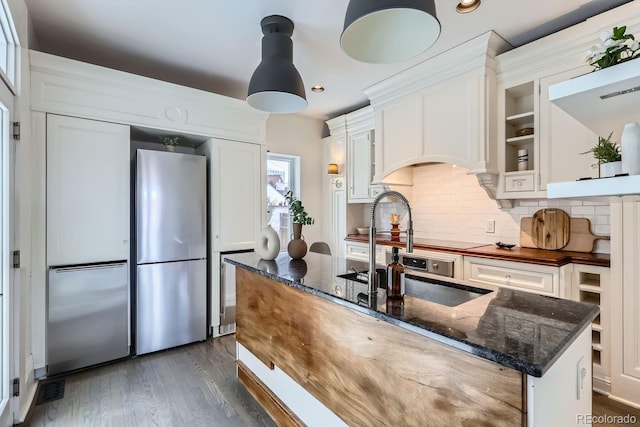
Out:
{"x": 615, "y": 47}
{"x": 608, "y": 155}
{"x": 297, "y": 247}
{"x": 170, "y": 142}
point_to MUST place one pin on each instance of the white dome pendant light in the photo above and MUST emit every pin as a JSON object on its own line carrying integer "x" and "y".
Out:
{"x": 276, "y": 85}
{"x": 387, "y": 31}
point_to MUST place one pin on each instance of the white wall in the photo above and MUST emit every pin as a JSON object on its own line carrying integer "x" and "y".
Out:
{"x": 449, "y": 204}
{"x": 302, "y": 136}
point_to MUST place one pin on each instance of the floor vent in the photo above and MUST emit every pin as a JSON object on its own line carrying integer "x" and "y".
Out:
{"x": 50, "y": 391}
{"x": 227, "y": 329}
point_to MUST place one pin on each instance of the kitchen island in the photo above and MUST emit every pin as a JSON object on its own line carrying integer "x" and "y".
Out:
{"x": 313, "y": 351}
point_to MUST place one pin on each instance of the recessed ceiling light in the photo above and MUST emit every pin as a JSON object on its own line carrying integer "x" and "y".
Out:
{"x": 317, "y": 88}
{"x": 466, "y": 6}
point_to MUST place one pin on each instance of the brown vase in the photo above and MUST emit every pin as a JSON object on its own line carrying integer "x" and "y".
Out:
{"x": 297, "y": 247}
{"x": 395, "y": 232}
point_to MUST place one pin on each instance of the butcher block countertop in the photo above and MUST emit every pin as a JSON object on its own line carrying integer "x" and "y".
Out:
{"x": 517, "y": 254}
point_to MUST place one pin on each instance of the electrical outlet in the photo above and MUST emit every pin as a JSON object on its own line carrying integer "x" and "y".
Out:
{"x": 490, "y": 226}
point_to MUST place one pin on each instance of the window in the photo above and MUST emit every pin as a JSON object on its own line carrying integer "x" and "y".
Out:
{"x": 9, "y": 47}
{"x": 282, "y": 176}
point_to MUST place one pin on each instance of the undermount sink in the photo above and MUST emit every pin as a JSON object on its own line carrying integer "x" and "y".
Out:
{"x": 435, "y": 291}
{"x": 444, "y": 293}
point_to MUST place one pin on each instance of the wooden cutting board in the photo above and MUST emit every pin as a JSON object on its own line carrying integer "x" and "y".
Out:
{"x": 550, "y": 228}
{"x": 580, "y": 237}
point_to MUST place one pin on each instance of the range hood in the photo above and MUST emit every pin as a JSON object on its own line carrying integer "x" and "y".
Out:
{"x": 602, "y": 100}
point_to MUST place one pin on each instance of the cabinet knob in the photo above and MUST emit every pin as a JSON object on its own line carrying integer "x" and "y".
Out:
{"x": 125, "y": 241}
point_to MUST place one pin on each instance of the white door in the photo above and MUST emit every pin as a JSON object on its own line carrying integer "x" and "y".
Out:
{"x": 9, "y": 277}
{"x": 360, "y": 166}
{"x": 87, "y": 191}
{"x": 236, "y": 187}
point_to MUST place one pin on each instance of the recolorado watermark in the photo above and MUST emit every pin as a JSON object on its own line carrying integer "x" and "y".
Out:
{"x": 606, "y": 419}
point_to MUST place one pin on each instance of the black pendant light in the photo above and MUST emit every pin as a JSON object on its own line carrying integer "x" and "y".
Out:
{"x": 387, "y": 31}
{"x": 276, "y": 85}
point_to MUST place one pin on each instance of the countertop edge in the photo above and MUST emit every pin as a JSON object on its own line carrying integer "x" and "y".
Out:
{"x": 509, "y": 361}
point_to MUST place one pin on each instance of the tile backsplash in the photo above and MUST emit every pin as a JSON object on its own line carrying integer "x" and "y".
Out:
{"x": 449, "y": 204}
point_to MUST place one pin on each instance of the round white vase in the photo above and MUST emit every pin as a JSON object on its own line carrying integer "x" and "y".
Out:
{"x": 630, "y": 147}
{"x": 268, "y": 244}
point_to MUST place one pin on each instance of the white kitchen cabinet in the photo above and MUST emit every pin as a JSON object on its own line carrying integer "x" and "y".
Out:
{"x": 88, "y": 164}
{"x": 540, "y": 279}
{"x": 236, "y": 188}
{"x": 556, "y": 137}
{"x": 361, "y": 156}
{"x": 625, "y": 300}
{"x": 359, "y": 153}
{"x": 592, "y": 284}
{"x": 517, "y": 110}
{"x": 360, "y": 252}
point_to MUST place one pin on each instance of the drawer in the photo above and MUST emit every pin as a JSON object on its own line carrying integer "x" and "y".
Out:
{"x": 533, "y": 281}
{"x": 357, "y": 252}
{"x": 360, "y": 252}
{"x": 519, "y": 183}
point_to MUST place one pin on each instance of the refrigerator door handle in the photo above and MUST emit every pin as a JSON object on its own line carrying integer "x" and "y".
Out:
{"x": 116, "y": 264}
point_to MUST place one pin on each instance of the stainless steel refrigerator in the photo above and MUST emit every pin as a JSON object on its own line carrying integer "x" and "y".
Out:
{"x": 171, "y": 250}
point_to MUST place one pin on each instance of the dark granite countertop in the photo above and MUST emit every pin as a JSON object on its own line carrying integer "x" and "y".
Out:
{"x": 519, "y": 330}
{"x": 482, "y": 250}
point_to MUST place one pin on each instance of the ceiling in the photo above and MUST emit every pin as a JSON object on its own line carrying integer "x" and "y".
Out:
{"x": 214, "y": 45}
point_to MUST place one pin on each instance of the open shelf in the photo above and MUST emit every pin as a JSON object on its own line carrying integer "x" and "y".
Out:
{"x": 520, "y": 140}
{"x": 520, "y": 119}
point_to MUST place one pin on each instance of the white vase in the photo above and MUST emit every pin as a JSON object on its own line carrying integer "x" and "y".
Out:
{"x": 630, "y": 147}
{"x": 268, "y": 244}
{"x": 610, "y": 169}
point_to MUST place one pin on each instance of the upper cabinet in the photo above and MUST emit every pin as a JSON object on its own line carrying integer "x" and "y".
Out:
{"x": 442, "y": 110}
{"x": 360, "y": 156}
{"x": 87, "y": 191}
{"x": 236, "y": 185}
{"x": 536, "y": 137}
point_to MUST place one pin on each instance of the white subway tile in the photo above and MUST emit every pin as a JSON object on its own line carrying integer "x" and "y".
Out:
{"x": 583, "y": 210}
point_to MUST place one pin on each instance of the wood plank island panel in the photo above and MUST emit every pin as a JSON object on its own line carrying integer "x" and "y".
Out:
{"x": 367, "y": 371}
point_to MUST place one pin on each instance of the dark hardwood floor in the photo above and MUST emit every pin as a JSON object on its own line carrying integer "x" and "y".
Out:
{"x": 194, "y": 385}
{"x": 613, "y": 414}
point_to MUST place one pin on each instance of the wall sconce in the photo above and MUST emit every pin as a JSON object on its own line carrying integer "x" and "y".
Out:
{"x": 332, "y": 171}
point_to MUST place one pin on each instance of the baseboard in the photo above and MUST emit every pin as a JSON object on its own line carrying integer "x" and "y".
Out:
{"x": 626, "y": 402}
{"x": 602, "y": 386}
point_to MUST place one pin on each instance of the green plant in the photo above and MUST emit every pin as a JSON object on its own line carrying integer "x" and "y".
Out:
{"x": 298, "y": 214}
{"x": 613, "y": 49}
{"x": 170, "y": 140}
{"x": 606, "y": 151}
